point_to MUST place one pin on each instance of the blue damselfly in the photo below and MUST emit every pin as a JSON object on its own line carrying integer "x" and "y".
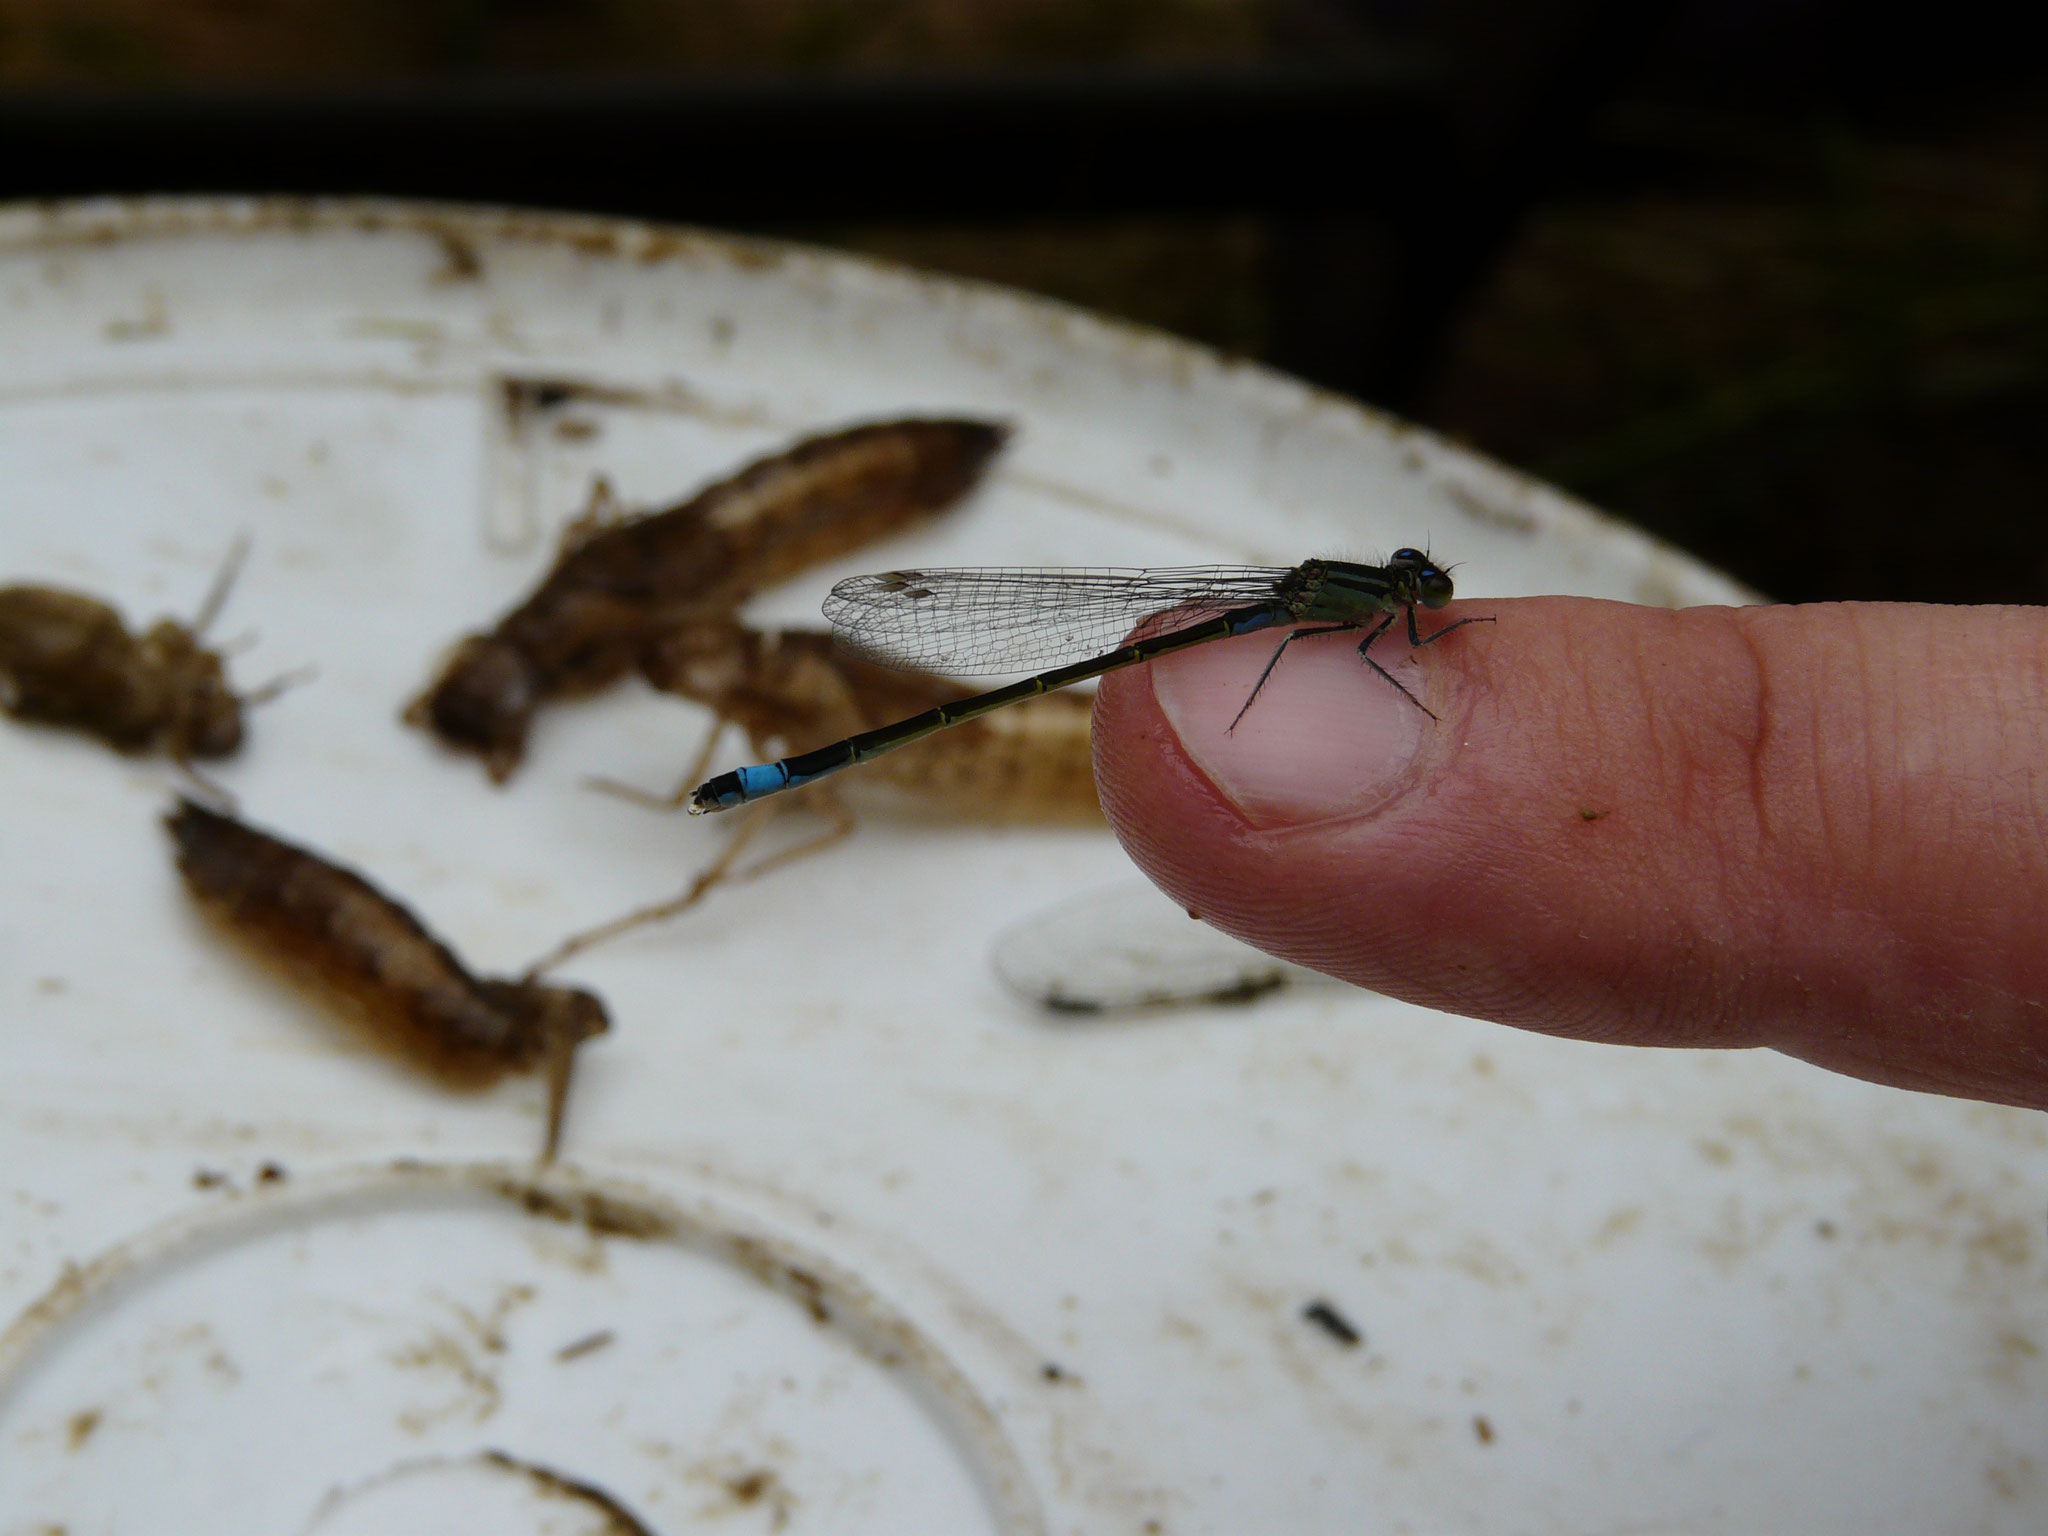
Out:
{"x": 999, "y": 620}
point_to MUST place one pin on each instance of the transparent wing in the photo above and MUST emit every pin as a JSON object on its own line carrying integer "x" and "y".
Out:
{"x": 991, "y": 620}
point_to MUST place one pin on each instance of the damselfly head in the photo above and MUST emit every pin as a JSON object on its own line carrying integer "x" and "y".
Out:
{"x": 1427, "y": 582}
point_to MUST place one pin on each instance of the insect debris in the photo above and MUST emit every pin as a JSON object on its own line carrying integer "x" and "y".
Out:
{"x": 329, "y": 927}
{"x": 798, "y": 686}
{"x": 794, "y": 689}
{"x": 67, "y": 659}
{"x": 620, "y": 581}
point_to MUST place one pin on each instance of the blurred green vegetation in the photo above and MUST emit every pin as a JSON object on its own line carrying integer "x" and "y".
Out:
{"x": 1201, "y": 278}
{"x": 74, "y": 41}
{"x": 1817, "y": 355}
{"x": 1828, "y": 371}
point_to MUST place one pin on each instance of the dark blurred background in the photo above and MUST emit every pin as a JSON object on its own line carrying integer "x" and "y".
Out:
{"x": 1768, "y": 278}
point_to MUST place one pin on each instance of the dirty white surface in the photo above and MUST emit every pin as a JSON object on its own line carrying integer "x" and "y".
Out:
{"x": 865, "y": 1243}
{"x": 1128, "y": 947}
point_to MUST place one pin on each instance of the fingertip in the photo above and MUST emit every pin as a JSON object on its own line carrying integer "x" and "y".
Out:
{"x": 1804, "y": 828}
{"x": 1240, "y": 813}
{"x": 1167, "y": 816}
{"x": 1443, "y": 854}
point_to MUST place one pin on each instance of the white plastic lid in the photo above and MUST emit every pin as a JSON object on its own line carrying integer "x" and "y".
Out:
{"x": 850, "y": 1238}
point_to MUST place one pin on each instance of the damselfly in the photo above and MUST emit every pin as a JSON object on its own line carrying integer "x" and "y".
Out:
{"x": 999, "y": 620}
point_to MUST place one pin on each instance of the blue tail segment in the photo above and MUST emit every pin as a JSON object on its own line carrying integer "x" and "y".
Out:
{"x": 733, "y": 789}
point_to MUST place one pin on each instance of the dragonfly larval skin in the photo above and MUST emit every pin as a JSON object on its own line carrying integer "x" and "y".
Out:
{"x": 793, "y": 688}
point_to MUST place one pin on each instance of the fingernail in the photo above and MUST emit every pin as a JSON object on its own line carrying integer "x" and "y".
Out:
{"x": 1326, "y": 737}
